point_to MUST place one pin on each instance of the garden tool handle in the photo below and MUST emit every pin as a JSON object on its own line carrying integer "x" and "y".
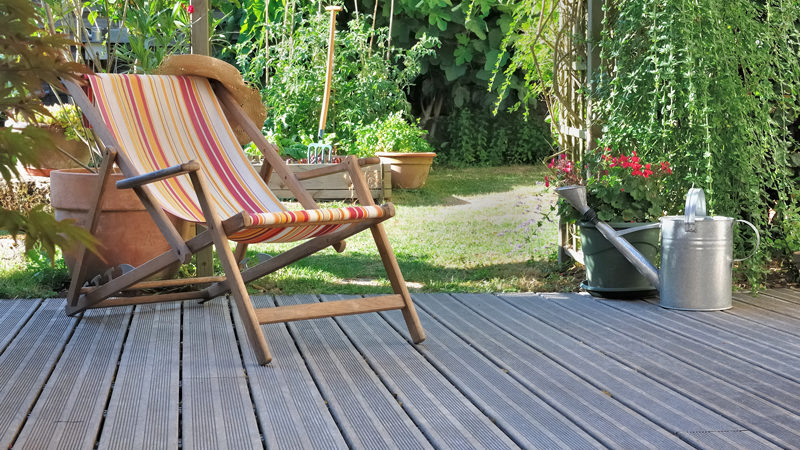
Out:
{"x": 758, "y": 240}
{"x": 326, "y": 95}
{"x": 695, "y": 207}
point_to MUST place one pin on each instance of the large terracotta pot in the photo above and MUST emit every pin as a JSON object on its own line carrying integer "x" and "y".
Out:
{"x": 409, "y": 170}
{"x": 51, "y": 158}
{"x": 126, "y": 232}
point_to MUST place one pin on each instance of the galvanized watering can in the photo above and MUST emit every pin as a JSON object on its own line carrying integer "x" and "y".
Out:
{"x": 696, "y": 252}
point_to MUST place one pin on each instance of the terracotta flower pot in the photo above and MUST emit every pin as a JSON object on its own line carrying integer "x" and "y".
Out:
{"x": 409, "y": 170}
{"x": 126, "y": 232}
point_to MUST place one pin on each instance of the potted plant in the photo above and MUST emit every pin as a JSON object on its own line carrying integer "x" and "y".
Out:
{"x": 68, "y": 147}
{"x": 626, "y": 192}
{"x": 400, "y": 144}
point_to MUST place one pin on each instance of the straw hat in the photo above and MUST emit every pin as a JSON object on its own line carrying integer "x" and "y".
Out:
{"x": 205, "y": 66}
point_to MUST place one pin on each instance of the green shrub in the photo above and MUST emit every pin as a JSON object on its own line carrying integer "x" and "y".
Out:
{"x": 483, "y": 139}
{"x": 393, "y": 134}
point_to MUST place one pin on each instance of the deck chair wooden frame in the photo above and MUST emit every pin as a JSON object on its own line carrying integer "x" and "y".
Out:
{"x": 123, "y": 289}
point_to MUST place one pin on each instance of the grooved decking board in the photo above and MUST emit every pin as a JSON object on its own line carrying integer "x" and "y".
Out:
{"x": 143, "y": 410}
{"x": 217, "y": 412}
{"x": 13, "y": 315}
{"x": 26, "y": 365}
{"x": 787, "y": 294}
{"x": 577, "y": 315}
{"x": 763, "y": 316}
{"x": 609, "y": 421}
{"x": 747, "y": 329}
{"x": 664, "y": 407}
{"x": 789, "y": 311}
{"x": 365, "y": 410}
{"x": 444, "y": 415}
{"x": 526, "y": 418}
{"x": 734, "y": 352}
{"x": 70, "y": 409}
{"x": 781, "y": 389}
{"x": 290, "y": 408}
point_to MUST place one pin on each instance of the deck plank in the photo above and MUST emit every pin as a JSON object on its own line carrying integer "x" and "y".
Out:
{"x": 788, "y": 310}
{"x": 608, "y": 420}
{"x": 578, "y": 315}
{"x": 727, "y": 321}
{"x": 526, "y": 418}
{"x": 663, "y": 406}
{"x": 143, "y": 410}
{"x": 732, "y": 357}
{"x": 27, "y": 363}
{"x": 69, "y": 411}
{"x": 765, "y": 317}
{"x": 292, "y": 412}
{"x": 444, "y": 415}
{"x": 13, "y": 316}
{"x": 365, "y": 410}
{"x": 217, "y": 412}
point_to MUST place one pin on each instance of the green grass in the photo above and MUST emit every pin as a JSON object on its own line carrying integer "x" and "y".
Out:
{"x": 467, "y": 230}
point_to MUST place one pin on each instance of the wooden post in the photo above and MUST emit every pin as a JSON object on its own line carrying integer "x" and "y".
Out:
{"x": 199, "y": 18}
{"x": 204, "y": 259}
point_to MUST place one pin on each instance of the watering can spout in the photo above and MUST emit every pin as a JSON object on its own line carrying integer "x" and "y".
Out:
{"x": 576, "y": 196}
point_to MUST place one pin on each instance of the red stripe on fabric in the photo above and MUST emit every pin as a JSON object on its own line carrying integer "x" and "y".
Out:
{"x": 130, "y": 80}
{"x": 214, "y": 152}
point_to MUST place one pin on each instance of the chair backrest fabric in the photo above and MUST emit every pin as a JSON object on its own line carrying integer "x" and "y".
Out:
{"x": 163, "y": 120}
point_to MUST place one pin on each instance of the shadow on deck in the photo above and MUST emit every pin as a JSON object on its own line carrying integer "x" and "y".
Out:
{"x": 497, "y": 371}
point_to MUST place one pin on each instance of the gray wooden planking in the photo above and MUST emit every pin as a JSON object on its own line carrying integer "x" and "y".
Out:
{"x": 671, "y": 410}
{"x": 593, "y": 410}
{"x": 554, "y": 370}
{"x": 70, "y": 409}
{"x": 578, "y": 316}
{"x": 444, "y": 415}
{"x": 525, "y": 417}
{"x": 368, "y": 414}
{"x": 217, "y": 412}
{"x": 14, "y": 317}
{"x": 26, "y": 364}
{"x": 292, "y": 412}
{"x": 143, "y": 409}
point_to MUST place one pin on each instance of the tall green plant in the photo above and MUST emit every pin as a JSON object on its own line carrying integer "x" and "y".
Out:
{"x": 288, "y": 63}
{"x": 712, "y": 85}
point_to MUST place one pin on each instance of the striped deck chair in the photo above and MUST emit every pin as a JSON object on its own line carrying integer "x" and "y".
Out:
{"x": 171, "y": 137}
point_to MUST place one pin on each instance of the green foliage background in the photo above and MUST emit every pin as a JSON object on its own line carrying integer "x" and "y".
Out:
{"x": 713, "y": 86}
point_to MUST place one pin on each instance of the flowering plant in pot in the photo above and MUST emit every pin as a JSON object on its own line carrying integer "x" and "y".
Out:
{"x": 626, "y": 191}
{"x": 401, "y": 144}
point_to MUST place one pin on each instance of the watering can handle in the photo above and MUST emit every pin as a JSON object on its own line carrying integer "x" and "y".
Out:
{"x": 758, "y": 240}
{"x": 695, "y": 207}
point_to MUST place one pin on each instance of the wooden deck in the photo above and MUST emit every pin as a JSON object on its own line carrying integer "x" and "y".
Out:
{"x": 532, "y": 371}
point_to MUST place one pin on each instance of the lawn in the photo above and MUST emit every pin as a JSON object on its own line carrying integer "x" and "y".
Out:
{"x": 467, "y": 230}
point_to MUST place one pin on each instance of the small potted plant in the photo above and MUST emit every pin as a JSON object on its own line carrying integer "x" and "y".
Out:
{"x": 626, "y": 192}
{"x": 69, "y": 148}
{"x": 401, "y": 144}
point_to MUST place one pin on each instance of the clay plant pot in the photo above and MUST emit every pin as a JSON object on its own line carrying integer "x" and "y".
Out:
{"x": 51, "y": 158}
{"x": 409, "y": 170}
{"x": 126, "y": 232}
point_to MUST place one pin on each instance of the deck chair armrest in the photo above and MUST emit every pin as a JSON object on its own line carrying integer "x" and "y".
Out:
{"x": 341, "y": 167}
{"x": 158, "y": 175}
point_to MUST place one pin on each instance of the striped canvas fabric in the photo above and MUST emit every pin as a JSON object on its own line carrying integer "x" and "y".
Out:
{"x": 163, "y": 120}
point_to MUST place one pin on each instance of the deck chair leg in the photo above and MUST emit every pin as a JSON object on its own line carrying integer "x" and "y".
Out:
{"x": 398, "y": 283}
{"x": 242, "y": 298}
{"x": 234, "y": 277}
{"x": 239, "y": 253}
